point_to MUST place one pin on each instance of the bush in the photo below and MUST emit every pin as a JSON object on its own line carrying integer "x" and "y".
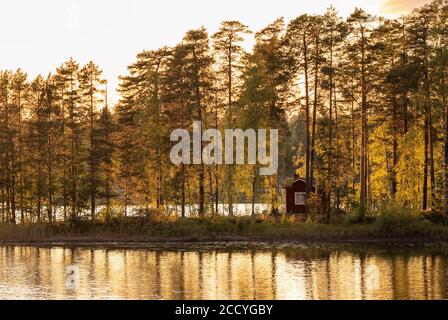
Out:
{"x": 315, "y": 208}
{"x": 400, "y": 220}
{"x": 356, "y": 216}
{"x": 105, "y": 215}
{"x": 434, "y": 216}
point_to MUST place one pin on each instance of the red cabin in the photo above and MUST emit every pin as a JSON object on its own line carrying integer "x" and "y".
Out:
{"x": 296, "y": 196}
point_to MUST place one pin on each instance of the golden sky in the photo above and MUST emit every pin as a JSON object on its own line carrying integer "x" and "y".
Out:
{"x": 400, "y": 6}
{"x": 37, "y": 36}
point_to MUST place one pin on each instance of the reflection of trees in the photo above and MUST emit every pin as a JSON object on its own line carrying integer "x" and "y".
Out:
{"x": 293, "y": 273}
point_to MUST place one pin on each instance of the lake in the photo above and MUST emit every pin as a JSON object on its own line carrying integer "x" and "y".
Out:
{"x": 225, "y": 271}
{"x": 239, "y": 210}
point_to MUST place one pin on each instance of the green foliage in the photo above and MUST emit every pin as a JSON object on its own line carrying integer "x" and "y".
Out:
{"x": 398, "y": 220}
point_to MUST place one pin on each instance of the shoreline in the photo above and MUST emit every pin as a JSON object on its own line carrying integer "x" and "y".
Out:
{"x": 144, "y": 232}
{"x": 218, "y": 242}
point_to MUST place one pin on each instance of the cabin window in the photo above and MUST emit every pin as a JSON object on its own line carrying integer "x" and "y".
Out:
{"x": 300, "y": 198}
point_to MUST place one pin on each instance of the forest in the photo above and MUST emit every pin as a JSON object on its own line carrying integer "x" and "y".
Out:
{"x": 360, "y": 105}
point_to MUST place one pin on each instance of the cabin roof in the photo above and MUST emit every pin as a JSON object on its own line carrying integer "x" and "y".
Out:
{"x": 293, "y": 182}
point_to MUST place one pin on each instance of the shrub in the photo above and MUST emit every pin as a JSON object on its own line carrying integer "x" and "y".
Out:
{"x": 356, "y": 216}
{"x": 399, "y": 220}
{"x": 315, "y": 208}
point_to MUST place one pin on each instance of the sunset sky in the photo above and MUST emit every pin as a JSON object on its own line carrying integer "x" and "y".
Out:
{"x": 38, "y": 36}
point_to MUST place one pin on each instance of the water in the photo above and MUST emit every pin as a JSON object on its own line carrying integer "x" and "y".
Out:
{"x": 239, "y": 210}
{"x": 220, "y": 271}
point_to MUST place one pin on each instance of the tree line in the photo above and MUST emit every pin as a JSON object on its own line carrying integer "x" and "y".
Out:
{"x": 360, "y": 105}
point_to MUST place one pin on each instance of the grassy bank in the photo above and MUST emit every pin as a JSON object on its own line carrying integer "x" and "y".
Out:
{"x": 147, "y": 229}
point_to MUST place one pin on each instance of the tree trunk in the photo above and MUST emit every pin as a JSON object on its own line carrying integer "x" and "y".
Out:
{"x": 353, "y": 133}
{"x": 364, "y": 129}
{"x": 313, "y": 130}
{"x": 394, "y": 151}
{"x": 92, "y": 160}
{"x": 183, "y": 192}
{"x": 199, "y": 115}
{"x": 254, "y": 190}
{"x": 445, "y": 145}
{"x": 330, "y": 134}
{"x": 307, "y": 122}
{"x": 22, "y": 218}
{"x": 426, "y": 161}
{"x": 432, "y": 137}
{"x": 230, "y": 125}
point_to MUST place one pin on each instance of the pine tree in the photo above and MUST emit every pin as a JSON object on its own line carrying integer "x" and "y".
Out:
{"x": 175, "y": 98}
{"x": 91, "y": 95}
{"x": 227, "y": 44}
{"x": 71, "y": 115}
{"x": 360, "y": 27}
{"x": 105, "y": 130}
{"x": 199, "y": 81}
{"x": 270, "y": 55}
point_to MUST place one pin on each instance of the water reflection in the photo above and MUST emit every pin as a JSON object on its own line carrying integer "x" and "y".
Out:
{"x": 246, "y": 273}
